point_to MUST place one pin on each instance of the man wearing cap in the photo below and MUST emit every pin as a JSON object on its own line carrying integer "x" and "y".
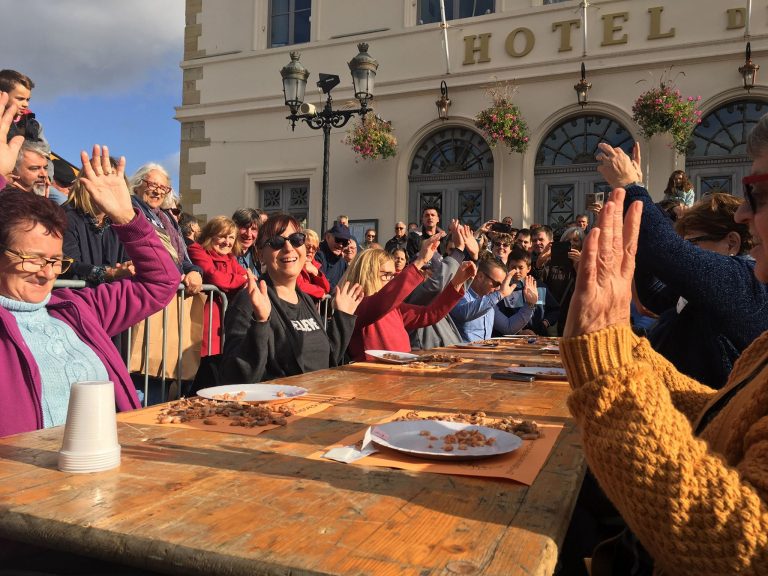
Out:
{"x": 63, "y": 178}
{"x": 330, "y": 255}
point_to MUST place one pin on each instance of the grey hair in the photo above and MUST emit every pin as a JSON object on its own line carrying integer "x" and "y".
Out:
{"x": 578, "y": 230}
{"x": 757, "y": 139}
{"x": 134, "y": 182}
{"x": 35, "y": 147}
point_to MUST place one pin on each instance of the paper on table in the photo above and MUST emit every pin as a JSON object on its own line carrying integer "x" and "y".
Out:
{"x": 349, "y": 454}
{"x": 303, "y": 406}
{"x": 522, "y": 465}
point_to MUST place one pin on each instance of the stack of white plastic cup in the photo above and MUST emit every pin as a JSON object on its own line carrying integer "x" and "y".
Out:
{"x": 90, "y": 434}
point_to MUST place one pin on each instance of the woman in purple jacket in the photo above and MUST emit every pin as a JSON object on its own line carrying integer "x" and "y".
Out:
{"x": 49, "y": 340}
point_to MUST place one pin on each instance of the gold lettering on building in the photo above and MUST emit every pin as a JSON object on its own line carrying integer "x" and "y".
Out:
{"x": 656, "y": 32}
{"x": 737, "y": 18}
{"x": 610, "y": 28}
{"x": 529, "y": 39}
{"x": 474, "y": 44}
{"x": 566, "y": 27}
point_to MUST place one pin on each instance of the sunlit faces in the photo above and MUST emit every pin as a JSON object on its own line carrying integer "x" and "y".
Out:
{"x": 487, "y": 282}
{"x": 400, "y": 260}
{"x": 519, "y": 269}
{"x": 20, "y": 95}
{"x": 757, "y": 221}
{"x": 18, "y": 284}
{"x": 154, "y": 188}
{"x": 32, "y": 171}
{"x": 524, "y": 241}
{"x": 248, "y": 235}
{"x": 386, "y": 271}
{"x": 350, "y": 251}
{"x": 223, "y": 243}
{"x": 540, "y": 241}
{"x": 430, "y": 219}
{"x": 286, "y": 263}
{"x": 311, "y": 249}
{"x": 582, "y": 222}
{"x": 502, "y": 250}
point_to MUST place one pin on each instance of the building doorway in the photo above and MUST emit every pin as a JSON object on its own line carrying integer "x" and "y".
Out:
{"x": 452, "y": 171}
{"x": 566, "y": 169}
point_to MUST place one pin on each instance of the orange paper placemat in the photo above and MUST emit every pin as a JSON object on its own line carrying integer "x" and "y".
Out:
{"x": 433, "y": 367}
{"x": 303, "y": 406}
{"x": 522, "y": 465}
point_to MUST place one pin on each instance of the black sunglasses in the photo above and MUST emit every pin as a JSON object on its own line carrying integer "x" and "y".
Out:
{"x": 748, "y": 182}
{"x": 296, "y": 239}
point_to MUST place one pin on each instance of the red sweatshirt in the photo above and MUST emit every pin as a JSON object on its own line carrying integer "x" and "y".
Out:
{"x": 383, "y": 319}
{"x": 316, "y": 286}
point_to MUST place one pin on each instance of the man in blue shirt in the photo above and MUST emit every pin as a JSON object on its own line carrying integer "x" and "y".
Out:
{"x": 473, "y": 314}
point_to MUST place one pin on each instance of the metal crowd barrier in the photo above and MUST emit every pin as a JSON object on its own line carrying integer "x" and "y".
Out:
{"x": 208, "y": 289}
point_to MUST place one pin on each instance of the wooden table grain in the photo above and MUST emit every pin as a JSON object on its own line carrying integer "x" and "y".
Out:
{"x": 199, "y": 502}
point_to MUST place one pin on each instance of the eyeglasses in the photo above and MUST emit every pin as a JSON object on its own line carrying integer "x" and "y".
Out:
{"x": 154, "y": 187}
{"x": 749, "y": 189}
{"x": 502, "y": 244}
{"x": 34, "y": 264}
{"x": 296, "y": 239}
{"x": 399, "y": 227}
{"x": 494, "y": 283}
{"x": 311, "y": 247}
{"x": 370, "y": 235}
{"x": 175, "y": 211}
{"x": 387, "y": 276}
{"x": 341, "y": 241}
{"x": 704, "y": 238}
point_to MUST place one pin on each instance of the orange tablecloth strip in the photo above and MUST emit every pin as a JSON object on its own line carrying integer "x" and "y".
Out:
{"x": 303, "y": 406}
{"x": 522, "y": 465}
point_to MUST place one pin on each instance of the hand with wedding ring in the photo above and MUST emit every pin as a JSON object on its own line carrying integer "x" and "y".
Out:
{"x": 618, "y": 169}
{"x": 107, "y": 188}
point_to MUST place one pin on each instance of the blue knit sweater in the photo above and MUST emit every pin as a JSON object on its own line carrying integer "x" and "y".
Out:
{"x": 727, "y": 307}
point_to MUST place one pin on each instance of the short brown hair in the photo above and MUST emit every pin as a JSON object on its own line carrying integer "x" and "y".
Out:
{"x": 713, "y": 215}
{"x": 517, "y": 255}
{"x": 24, "y": 210}
{"x": 10, "y": 78}
{"x": 274, "y": 226}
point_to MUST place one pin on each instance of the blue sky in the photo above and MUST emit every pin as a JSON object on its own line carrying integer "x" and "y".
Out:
{"x": 105, "y": 72}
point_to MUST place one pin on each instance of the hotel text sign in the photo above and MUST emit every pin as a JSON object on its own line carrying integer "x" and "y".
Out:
{"x": 521, "y": 41}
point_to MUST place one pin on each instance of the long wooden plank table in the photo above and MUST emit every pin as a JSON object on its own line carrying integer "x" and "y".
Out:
{"x": 201, "y": 502}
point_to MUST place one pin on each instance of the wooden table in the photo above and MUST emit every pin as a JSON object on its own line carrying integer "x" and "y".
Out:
{"x": 200, "y": 502}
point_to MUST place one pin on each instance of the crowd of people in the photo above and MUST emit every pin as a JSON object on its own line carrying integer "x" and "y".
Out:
{"x": 675, "y": 425}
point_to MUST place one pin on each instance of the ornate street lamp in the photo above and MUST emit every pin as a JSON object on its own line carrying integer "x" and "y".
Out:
{"x": 363, "y": 68}
{"x": 582, "y": 87}
{"x": 444, "y": 102}
{"x": 749, "y": 70}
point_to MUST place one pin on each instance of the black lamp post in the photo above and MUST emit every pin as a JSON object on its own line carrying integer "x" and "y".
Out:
{"x": 363, "y": 68}
{"x": 749, "y": 70}
{"x": 582, "y": 87}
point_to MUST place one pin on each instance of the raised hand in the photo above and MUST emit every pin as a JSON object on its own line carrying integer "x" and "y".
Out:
{"x": 9, "y": 151}
{"x": 470, "y": 242}
{"x": 508, "y": 285}
{"x": 530, "y": 291}
{"x": 456, "y": 234}
{"x": 257, "y": 290}
{"x": 466, "y": 271}
{"x": 106, "y": 187}
{"x": 428, "y": 248}
{"x": 616, "y": 167}
{"x": 574, "y": 255}
{"x": 348, "y": 297}
{"x": 603, "y": 287}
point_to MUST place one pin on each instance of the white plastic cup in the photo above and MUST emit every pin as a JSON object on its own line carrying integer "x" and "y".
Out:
{"x": 90, "y": 434}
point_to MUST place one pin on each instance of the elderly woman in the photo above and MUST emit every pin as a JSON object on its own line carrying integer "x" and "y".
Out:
{"x": 701, "y": 279}
{"x": 383, "y": 317}
{"x": 51, "y": 339}
{"x": 686, "y": 465}
{"x": 215, "y": 253}
{"x": 151, "y": 186}
{"x": 312, "y": 280}
{"x": 272, "y": 328}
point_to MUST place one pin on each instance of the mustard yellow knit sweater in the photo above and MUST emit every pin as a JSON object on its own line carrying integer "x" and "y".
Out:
{"x": 698, "y": 504}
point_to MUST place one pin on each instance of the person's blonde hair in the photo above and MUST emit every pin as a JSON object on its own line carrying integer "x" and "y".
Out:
{"x": 364, "y": 270}
{"x": 217, "y": 226}
{"x": 80, "y": 199}
{"x": 312, "y": 236}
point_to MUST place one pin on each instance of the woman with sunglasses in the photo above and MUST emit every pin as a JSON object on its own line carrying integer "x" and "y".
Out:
{"x": 50, "y": 339}
{"x": 383, "y": 318}
{"x": 151, "y": 186}
{"x": 501, "y": 246}
{"x": 701, "y": 279}
{"x": 272, "y": 328}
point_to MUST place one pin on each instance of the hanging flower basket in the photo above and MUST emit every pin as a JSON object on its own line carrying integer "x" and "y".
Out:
{"x": 503, "y": 122}
{"x": 664, "y": 110}
{"x": 371, "y": 138}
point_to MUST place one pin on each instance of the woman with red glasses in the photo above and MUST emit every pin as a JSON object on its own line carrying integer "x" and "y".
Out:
{"x": 273, "y": 329}
{"x": 700, "y": 279}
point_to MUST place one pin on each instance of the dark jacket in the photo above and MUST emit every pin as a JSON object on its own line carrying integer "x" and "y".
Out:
{"x": 331, "y": 265}
{"x": 92, "y": 247}
{"x": 396, "y": 243}
{"x": 414, "y": 242}
{"x": 259, "y": 351}
{"x": 727, "y": 306}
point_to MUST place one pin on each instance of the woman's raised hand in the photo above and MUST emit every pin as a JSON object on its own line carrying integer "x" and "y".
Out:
{"x": 466, "y": 271}
{"x": 107, "y": 187}
{"x": 348, "y": 297}
{"x": 616, "y": 167}
{"x": 428, "y": 248}
{"x": 257, "y": 290}
{"x": 9, "y": 151}
{"x": 604, "y": 281}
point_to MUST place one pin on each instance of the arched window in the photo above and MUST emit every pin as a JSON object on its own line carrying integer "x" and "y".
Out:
{"x": 452, "y": 150}
{"x": 575, "y": 140}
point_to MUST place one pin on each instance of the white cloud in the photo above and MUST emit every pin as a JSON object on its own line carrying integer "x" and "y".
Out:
{"x": 86, "y": 47}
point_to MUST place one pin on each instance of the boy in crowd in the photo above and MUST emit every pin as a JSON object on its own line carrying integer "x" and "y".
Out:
{"x": 546, "y": 309}
{"x": 19, "y": 88}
